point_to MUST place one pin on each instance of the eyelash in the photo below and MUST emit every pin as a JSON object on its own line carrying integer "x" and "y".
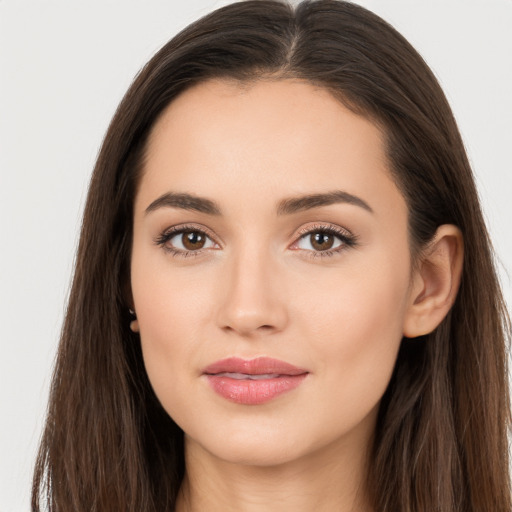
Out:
{"x": 162, "y": 240}
{"x": 347, "y": 239}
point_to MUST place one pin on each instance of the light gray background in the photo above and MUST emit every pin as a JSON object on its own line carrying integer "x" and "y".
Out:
{"x": 64, "y": 66}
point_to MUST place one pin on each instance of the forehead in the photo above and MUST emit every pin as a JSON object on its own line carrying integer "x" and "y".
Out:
{"x": 291, "y": 107}
{"x": 277, "y": 137}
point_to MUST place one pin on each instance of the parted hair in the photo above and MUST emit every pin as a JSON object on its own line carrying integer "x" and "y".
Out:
{"x": 441, "y": 440}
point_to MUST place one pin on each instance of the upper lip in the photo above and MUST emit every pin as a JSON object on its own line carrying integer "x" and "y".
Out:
{"x": 258, "y": 366}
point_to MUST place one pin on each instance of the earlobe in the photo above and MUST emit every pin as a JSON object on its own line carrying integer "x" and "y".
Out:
{"x": 435, "y": 283}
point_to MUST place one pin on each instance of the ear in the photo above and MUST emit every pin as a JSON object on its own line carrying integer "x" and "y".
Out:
{"x": 128, "y": 298}
{"x": 134, "y": 325}
{"x": 435, "y": 282}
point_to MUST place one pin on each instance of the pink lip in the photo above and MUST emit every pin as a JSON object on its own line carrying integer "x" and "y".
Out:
{"x": 276, "y": 378}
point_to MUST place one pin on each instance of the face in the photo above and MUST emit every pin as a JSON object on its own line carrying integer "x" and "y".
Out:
{"x": 270, "y": 270}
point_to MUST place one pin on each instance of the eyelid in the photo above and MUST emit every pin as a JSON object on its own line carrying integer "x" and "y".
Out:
{"x": 173, "y": 231}
{"x": 180, "y": 228}
{"x": 311, "y": 228}
{"x": 347, "y": 238}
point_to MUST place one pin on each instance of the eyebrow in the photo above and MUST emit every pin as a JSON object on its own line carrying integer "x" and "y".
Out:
{"x": 185, "y": 202}
{"x": 297, "y": 204}
{"x": 287, "y": 206}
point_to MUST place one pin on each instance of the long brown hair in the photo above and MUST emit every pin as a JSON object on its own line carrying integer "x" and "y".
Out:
{"x": 441, "y": 439}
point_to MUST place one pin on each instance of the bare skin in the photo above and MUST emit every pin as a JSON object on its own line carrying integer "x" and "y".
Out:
{"x": 327, "y": 287}
{"x": 334, "y": 485}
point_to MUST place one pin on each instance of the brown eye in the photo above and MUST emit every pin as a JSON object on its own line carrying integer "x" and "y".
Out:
{"x": 185, "y": 241}
{"x": 193, "y": 240}
{"x": 322, "y": 241}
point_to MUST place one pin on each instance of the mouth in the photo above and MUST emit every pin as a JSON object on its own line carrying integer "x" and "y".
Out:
{"x": 255, "y": 381}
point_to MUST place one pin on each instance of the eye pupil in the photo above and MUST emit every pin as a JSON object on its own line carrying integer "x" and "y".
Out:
{"x": 193, "y": 240}
{"x": 322, "y": 241}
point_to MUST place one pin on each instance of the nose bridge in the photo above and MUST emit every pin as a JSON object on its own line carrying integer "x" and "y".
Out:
{"x": 252, "y": 299}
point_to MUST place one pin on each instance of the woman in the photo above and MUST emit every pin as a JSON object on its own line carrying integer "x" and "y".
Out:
{"x": 284, "y": 296}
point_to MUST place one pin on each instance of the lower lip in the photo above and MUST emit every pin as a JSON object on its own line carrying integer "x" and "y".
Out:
{"x": 254, "y": 392}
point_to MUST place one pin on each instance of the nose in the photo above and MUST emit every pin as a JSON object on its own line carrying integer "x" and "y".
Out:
{"x": 253, "y": 299}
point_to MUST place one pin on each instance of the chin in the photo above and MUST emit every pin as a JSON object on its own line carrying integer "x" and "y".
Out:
{"x": 261, "y": 444}
{"x": 258, "y": 453}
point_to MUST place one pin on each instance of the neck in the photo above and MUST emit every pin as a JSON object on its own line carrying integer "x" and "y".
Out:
{"x": 331, "y": 478}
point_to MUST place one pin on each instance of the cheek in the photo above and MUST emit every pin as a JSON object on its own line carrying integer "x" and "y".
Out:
{"x": 167, "y": 299}
{"x": 168, "y": 306}
{"x": 355, "y": 329}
